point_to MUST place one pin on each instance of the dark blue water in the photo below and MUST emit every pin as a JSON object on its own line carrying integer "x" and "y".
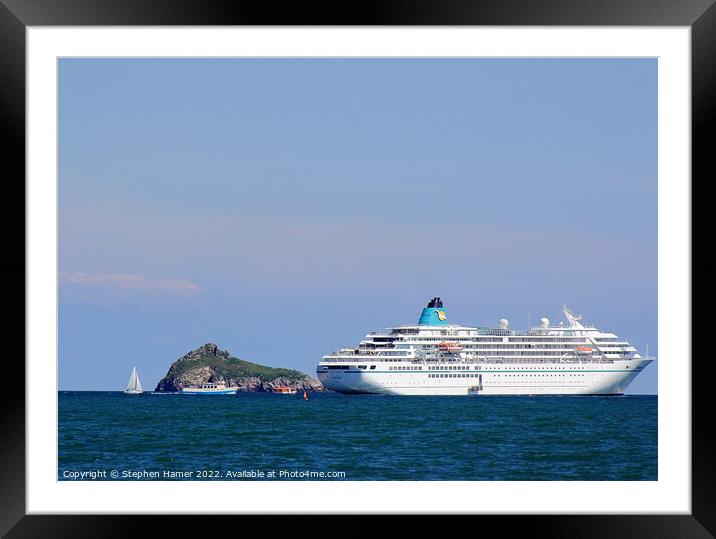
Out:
{"x": 363, "y": 437}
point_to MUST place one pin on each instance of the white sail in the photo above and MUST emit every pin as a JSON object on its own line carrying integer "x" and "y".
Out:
{"x": 132, "y": 379}
{"x": 134, "y": 386}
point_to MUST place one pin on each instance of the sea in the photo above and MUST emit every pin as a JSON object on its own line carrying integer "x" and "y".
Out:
{"x": 334, "y": 437}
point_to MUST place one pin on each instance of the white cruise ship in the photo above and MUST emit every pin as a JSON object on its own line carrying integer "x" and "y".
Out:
{"x": 435, "y": 357}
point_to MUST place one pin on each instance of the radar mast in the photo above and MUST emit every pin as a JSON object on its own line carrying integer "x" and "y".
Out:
{"x": 573, "y": 318}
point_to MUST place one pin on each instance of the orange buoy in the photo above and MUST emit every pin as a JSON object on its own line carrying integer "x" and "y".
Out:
{"x": 305, "y": 395}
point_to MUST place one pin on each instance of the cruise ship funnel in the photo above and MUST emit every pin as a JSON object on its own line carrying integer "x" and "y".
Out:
{"x": 433, "y": 314}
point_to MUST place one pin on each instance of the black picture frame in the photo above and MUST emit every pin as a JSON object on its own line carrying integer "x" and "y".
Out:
{"x": 16, "y": 15}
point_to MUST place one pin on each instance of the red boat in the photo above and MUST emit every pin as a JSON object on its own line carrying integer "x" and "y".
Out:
{"x": 450, "y": 346}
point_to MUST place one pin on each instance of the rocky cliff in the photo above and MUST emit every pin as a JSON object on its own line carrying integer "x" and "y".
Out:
{"x": 210, "y": 364}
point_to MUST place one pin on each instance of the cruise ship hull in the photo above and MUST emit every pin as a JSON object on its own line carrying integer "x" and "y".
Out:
{"x": 491, "y": 379}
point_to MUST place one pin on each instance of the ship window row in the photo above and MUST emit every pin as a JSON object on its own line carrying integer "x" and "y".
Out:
{"x": 453, "y": 375}
{"x": 406, "y": 368}
{"x": 458, "y": 338}
{"x": 541, "y": 375}
{"x": 572, "y": 361}
{"x": 381, "y": 360}
{"x": 531, "y": 338}
{"x": 393, "y": 353}
{"x": 450, "y": 368}
{"x": 547, "y": 339}
{"x": 508, "y": 353}
{"x": 543, "y": 368}
{"x": 565, "y": 346}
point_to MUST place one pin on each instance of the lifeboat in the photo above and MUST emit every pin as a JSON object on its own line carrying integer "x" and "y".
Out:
{"x": 584, "y": 349}
{"x": 284, "y": 390}
{"x": 449, "y": 346}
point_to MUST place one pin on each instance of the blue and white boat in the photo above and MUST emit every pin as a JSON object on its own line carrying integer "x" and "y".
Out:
{"x": 210, "y": 388}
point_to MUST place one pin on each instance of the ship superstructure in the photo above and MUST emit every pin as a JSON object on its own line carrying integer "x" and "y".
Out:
{"x": 435, "y": 357}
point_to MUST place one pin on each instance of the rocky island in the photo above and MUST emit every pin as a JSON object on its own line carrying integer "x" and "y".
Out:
{"x": 210, "y": 364}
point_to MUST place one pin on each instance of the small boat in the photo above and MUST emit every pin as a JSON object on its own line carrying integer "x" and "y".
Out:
{"x": 210, "y": 388}
{"x": 450, "y": 346}
{"x": 285, "y": 390}
{"x": 134, "y": 386}
{"x": 584, "y": 349}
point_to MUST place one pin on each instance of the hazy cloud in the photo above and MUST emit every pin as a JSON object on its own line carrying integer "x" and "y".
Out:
{"x": 278, "y": 255}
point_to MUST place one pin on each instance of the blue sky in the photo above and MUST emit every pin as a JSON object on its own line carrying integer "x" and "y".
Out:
{"x": 285, "y": 207}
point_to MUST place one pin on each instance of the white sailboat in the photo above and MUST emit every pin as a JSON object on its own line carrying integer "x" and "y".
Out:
{"x": 134, "y": 387}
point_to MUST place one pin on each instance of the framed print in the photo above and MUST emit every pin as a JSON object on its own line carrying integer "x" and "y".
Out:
{"x": 293, "y": 263}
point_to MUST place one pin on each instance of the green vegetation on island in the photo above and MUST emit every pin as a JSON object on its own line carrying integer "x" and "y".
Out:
{"x": 210, "y": 364}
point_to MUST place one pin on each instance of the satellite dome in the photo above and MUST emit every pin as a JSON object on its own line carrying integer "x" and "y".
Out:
{"x": 504, "y": 323}
{"x": 544, "y": 322}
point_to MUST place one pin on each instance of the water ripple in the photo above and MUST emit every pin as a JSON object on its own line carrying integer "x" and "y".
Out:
{"x": 368, "y": 438}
